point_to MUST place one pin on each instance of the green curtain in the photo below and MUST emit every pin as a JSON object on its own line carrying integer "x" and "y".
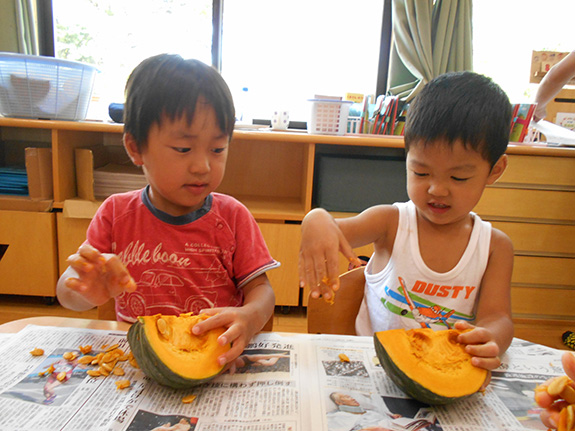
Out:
{"x": 430, "y": 37}
{"x": 26, "y": 26}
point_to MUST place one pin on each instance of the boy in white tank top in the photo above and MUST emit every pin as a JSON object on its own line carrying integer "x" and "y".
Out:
{"x": 435, "y": 263}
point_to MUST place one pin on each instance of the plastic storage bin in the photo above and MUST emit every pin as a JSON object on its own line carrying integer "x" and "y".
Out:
{"x": 328, "y": 117}
{"x": 34, "y": 86}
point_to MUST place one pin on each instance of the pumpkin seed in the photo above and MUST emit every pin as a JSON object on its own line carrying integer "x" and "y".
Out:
{"x": 93, "y": 373}
{"x": 85, "y": 349}
{"x": 37, "y": 352}
{"x": 569, "y": 415}
{"x": 61, "y": 376}
{"x": 568, "y": 394}
{"x": 343, "y": 357}
{"x": 122, "y": 384}
{"x": 118, "y": 371}
{"x": 108, "y": 357}
{"x": 69, "y": 356}
{"x": 557, "y": 385}
{"x": 163, "y": 327}
{"x": 86, "y": 359}
{"x": 189, "y": 399}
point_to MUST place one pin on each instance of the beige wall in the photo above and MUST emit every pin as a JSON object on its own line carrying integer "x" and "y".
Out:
{"x": 8, "y": 39}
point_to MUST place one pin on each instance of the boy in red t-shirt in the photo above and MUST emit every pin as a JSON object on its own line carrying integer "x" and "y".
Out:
{"x": 176, "y": 246}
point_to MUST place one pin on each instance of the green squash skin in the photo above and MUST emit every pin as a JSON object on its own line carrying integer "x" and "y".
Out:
{"x": 151, "y": 365}
{"x": 406, "y": 384}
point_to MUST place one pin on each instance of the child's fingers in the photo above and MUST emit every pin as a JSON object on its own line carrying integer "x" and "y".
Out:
{"x": 568, "y": 361}
{"x": 308, "y": 276}
{"x": 542, "y": 398}
{"x": 348, "y": 252}
{"x": 118, "y": 275}
{"x": 91, "y": 254}
{"x": 80, "y": 264}
{"x": 331, "y": 264}
{"x": 489, "y": 364}
{"x": 486, "y": 382}
{"x": 550, "y": 416}
{"x": 74, "y": 283}
{"x": 236, "y": 350}
{"x": 218, "y": 319}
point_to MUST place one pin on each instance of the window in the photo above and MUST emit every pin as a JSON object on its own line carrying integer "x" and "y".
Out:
{"x": 506, "y": 32}
{"x": 116, "y": 36}
{"x": 283, "y": 52}
{"x": 286, "y": 52}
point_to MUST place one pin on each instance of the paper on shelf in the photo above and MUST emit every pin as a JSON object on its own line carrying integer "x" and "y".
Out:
{"x": 554, "y": 134}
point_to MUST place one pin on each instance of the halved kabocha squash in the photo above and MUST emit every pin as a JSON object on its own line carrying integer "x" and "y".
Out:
{"x": 430, "y": 366}
{"x": 168, "y": 352}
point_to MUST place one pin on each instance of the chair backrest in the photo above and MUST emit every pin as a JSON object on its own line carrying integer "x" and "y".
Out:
{"x": 339, "y": 317}
{"x": 107, "y": 311}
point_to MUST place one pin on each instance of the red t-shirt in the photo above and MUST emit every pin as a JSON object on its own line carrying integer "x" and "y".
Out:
{"x": 180, "y": 264}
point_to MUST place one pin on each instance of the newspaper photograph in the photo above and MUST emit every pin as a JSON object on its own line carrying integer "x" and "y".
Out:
{"x": 357, "y": 395}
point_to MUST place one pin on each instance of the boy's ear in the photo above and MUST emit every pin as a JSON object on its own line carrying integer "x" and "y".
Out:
{"x": 497, "y": 169}
{"x": 132, "y": 149}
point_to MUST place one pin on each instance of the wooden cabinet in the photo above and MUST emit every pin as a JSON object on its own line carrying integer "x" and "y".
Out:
{"x": 534, "y": 203}
{"x": 272, "y": 173}
{"x": 28, "y": 253}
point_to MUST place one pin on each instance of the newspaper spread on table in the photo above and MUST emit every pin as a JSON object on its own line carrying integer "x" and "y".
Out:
{"x": 291, "y": 382}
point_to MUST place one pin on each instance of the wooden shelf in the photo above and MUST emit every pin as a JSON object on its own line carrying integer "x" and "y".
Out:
{"x": 272, "y": 173}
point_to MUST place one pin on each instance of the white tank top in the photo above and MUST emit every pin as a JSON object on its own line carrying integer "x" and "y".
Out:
{"x": 408, "y": 294}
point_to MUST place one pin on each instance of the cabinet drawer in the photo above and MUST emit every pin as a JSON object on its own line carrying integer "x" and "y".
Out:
{"x": 540, "y": 238}
{"x": 542, "y": 302}
{"x": 540, "y": 170}
{"x": 527, "y": 204}
{"x": 544, "y": 271}
{"x": 28, "y": 264}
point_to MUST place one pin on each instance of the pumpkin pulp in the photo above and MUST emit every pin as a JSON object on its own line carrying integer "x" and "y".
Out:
{"x": 184, "y": 353}
{"x": 430, "y": 360}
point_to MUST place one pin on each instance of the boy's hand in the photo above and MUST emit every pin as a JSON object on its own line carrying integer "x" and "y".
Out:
{"x": 239, "y": 330}
{"x": 480, "y": 344}
{"x": 100, "y": 276}
{"x": 321, "y": 241}
{"x": 554, "y": 404}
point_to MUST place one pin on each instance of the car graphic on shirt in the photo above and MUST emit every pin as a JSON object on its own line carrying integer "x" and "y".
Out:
{"x": 165, "y": 283}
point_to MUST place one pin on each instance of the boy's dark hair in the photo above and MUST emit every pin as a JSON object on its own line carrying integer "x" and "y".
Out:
{"x": 168, "y": 85}
{"x": 461, "y": 107}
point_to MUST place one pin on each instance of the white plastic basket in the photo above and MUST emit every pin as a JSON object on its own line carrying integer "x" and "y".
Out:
{"x": 33, "y": 86}
{"x": 328, "y": 117}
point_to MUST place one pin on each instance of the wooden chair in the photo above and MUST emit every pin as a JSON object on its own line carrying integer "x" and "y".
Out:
{"x": 339, "y": 317}
{"x": 107, "y": 311}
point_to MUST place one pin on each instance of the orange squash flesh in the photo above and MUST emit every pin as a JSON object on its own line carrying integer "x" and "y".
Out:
{"x": 429, "y": 365}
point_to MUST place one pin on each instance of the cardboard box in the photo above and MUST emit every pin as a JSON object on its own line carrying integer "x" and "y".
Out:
{"x": 542, "y": 61}
{"x": 39, "y": 171}
{"x": 38, "y": 163}
{"x": 563, "y": 102}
